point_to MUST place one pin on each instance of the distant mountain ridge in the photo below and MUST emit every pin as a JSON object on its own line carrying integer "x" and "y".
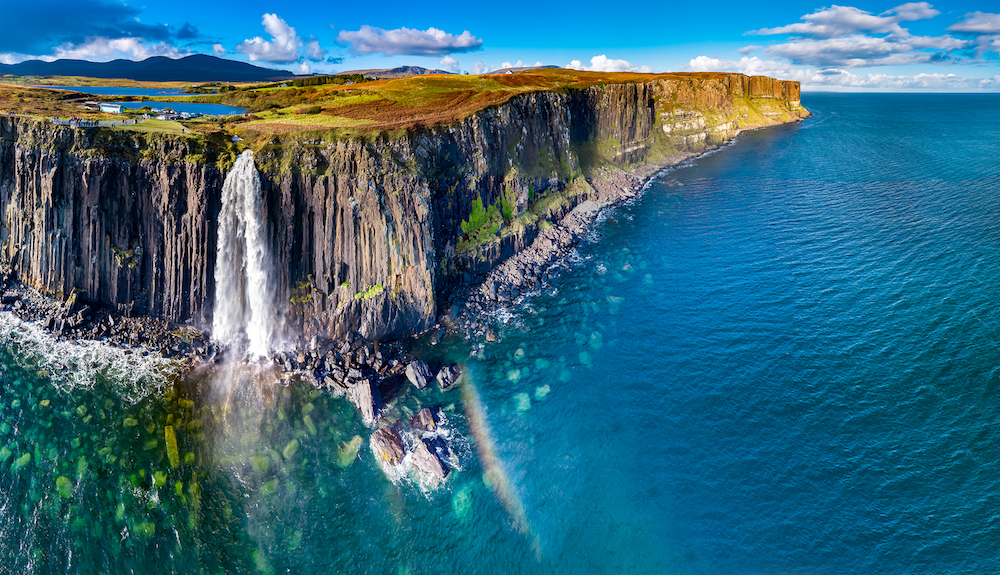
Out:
{"x": 515, "y": 70}
{"x": 195, "y": 68}
{"x": 393, "y": 73}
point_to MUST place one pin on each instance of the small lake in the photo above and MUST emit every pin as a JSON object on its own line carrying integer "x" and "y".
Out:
{"x": 116, "y": 91}
{"x": 190, "y": 107}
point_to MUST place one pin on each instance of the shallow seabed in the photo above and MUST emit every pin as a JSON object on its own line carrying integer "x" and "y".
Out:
{"x": 784, "y": 358}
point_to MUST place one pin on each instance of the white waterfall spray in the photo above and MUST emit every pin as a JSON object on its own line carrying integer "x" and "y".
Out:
{"x": 244, "y": 277}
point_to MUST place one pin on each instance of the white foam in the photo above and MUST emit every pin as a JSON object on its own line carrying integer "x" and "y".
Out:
{"x": 79, "y": 364}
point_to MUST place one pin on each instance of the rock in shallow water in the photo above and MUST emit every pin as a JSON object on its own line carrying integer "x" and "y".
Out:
{"x": 424, "y": 420}
{"x": 427, "y": 461}
{"x": 387, "y": 445}
{"x": 366, "y": 397}
{"x": 448, "y": 375}
{"x": 419, "y": 374}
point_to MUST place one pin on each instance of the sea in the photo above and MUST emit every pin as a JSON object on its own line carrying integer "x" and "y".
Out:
{"x": 784, "y": 358}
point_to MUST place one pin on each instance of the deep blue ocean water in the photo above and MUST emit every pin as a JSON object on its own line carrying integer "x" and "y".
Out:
{"x": 783, "y": 359}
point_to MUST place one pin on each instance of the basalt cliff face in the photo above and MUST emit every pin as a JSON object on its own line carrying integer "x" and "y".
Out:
{"x": 370, "y": 235}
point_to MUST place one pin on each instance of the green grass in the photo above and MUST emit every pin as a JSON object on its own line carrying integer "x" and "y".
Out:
{"x": 156, "y": 127}
{"x": 300, "y": 121}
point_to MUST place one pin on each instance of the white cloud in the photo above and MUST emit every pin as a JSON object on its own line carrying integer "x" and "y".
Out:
{"x": 449, "y": 63}
{"x": 406, "y": 41}
{"x": 978, "y": 22}
{"x": 838, "y": 21}
{"x": 604, "y": 64}
{"x": 15, "y": 57}
{"x": 481, "y": 68}
{"x": 218, "y": 49}
{"x": 538, "y": 63}
{"x": 283, "y": 46}
{"x": 517, "y": 64}
{"x": 838, "y": 79}
{"x": 304, "y": 68}
{"x": 847, "y": 37}
{"x": 102, "y": 49}
{"x": 860, "y": 50}
{"x": 313, "y": 51}
{"x": 984, "y": 26}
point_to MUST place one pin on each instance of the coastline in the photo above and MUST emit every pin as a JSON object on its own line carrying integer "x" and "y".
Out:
{"x": 534, "y": 267}
{"x": 471, "y": 311}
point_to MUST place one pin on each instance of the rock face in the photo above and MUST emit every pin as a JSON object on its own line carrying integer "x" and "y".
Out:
{"x": 388, "y": 446}
{"x": 366, "y": 397}
{"x": 419, "y": 374}
{"x": 368, "y": 233}
{"x": 424, "y": 420}
{"x": 428, "y": 463}
{"x": 448, "y": 375}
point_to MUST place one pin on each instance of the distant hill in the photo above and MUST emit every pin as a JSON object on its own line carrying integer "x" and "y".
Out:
{"x": 520, "y": 69}
{"x": 196, "y": 68}
{"x": 392, "y": 73}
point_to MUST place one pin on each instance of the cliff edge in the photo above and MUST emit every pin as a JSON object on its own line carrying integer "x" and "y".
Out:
{"x": 374, "y": 232}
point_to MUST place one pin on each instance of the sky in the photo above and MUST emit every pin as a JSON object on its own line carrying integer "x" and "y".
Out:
{"x": 858, "y": 46}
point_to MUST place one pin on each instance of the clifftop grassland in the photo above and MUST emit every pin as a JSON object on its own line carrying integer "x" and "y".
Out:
{"x": 278, "y": 114}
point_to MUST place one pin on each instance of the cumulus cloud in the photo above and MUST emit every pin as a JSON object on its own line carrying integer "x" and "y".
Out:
{"x": 448, "y": 63}
{"x": 283, "y": 47}
{"x": 838, "y": 21}
{"x": 604, "y": 64}
{"x": 408, "y": 42}
{"x": 481, "y": 68}
{"x": 839, "y": 79}
{"x": 860, "y": 50}
{"x": 517, "y": 64}
{"x": 313, "y": 50}
{"x": 978, "y": 22}
{"x": 91, "y": 29}
{"x": 847, "y": 37}
{"x": 113, "y": 48}
{"x": 218, "y": 49}
{"x": 984, "y": 27}
{"x": 42, "y": 25}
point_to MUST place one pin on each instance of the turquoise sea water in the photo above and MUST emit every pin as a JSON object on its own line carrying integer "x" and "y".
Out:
{"x": 784, "y": 358}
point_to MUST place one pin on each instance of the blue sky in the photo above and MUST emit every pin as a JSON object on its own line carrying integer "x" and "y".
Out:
{"x": 856, "y": 46}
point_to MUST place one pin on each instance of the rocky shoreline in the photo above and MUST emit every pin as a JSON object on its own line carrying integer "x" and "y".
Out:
{"x": 340, "y": 365}
{"x": 368, "y": 374}
{"x": 534, "y": 267}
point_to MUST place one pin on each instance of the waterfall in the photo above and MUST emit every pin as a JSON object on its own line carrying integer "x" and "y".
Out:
{"x": 245, "y": 312}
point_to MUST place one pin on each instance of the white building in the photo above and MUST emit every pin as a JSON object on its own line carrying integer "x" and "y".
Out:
{"x": 111, "y": 108}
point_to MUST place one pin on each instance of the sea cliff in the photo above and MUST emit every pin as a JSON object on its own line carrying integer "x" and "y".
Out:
{"x": 374, "y": 234}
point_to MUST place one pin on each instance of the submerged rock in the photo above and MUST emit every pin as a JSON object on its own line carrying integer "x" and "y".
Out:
{"x": 427, "y": 461}
{"x": 448, "y": 375}
{"x": 419, "y": 374}
{"x": 347, "y": 451}
{"x": 366, "y": 397}
{"x": 387, "y": 445}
